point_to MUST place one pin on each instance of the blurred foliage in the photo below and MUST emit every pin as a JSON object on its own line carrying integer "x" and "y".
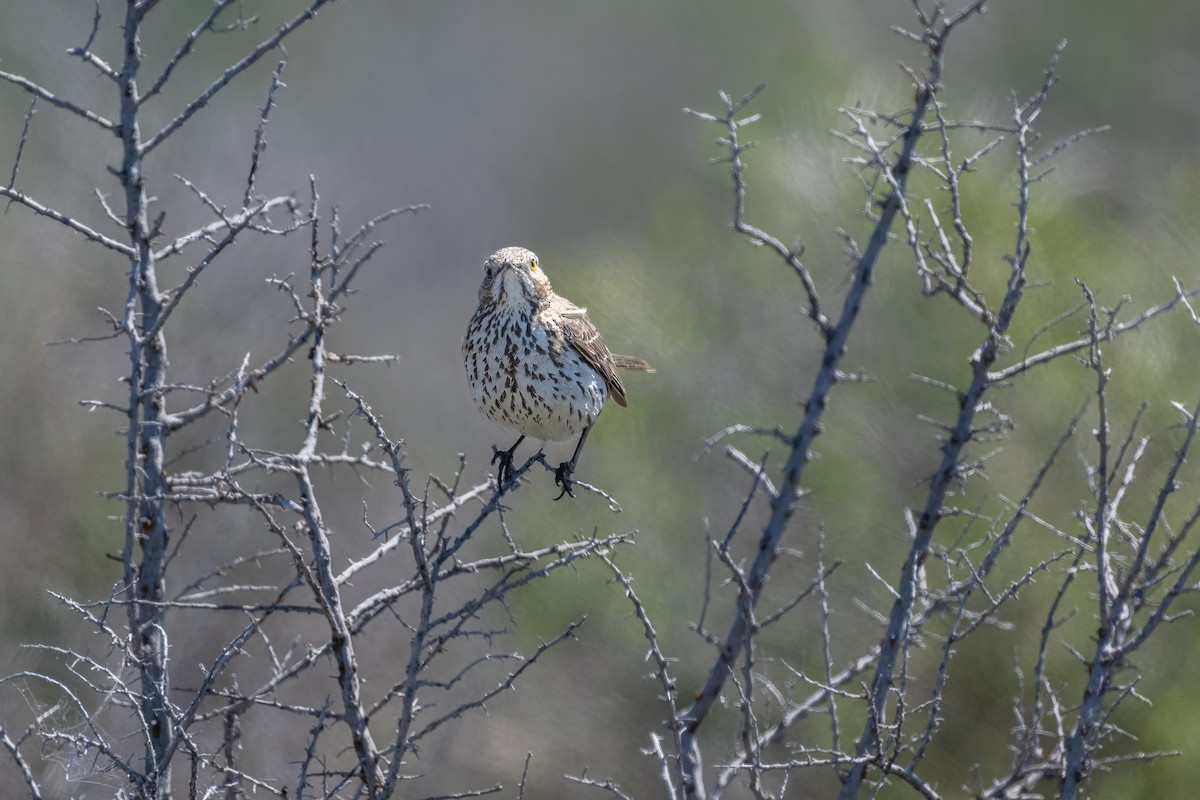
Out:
{"x": 557, "y": 126}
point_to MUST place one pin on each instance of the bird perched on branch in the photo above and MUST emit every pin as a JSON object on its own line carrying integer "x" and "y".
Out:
{"x": 535, "y": 362}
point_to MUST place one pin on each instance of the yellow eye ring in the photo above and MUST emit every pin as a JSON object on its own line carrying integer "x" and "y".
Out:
{"x": 533, "y": 264}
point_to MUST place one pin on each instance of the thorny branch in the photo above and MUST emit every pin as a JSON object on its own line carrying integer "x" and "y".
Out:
{"x": 178, "y": 494}
{"x": 126, "y": 713}
{"x": 898, "y": 727}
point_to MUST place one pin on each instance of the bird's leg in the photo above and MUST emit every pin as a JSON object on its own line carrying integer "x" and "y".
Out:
{"x": 562, "y": 475}
{"x": 505, "y": 457}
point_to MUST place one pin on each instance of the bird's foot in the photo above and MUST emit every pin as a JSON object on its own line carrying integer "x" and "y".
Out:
{"x": 562, "y": 477}
{"x": 505, "y": 472}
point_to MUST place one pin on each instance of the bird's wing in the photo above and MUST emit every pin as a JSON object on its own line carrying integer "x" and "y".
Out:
{"x": 581, "y": 334}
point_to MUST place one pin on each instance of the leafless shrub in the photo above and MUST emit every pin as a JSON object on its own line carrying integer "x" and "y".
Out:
{"x": 943, "y": 593}
{"x": 131, "y": 715}
{"x": 131, "y": 711}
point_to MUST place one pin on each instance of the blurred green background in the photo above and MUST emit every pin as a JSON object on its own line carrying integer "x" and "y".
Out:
{"x": 559, "y": 127}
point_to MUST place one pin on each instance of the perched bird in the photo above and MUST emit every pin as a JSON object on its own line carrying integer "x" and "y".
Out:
{"x": 535, "y": 362}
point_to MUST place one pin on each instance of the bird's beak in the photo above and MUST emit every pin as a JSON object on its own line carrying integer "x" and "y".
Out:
{"x": 501, "y": 279}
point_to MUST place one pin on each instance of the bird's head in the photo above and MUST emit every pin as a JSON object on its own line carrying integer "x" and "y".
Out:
{"x": 513, "y": 277}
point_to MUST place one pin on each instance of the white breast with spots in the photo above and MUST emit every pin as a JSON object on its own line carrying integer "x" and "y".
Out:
{"x": 523, "y": 381}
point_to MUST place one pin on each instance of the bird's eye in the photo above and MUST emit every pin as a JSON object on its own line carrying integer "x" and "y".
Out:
{"x": 487, "y": 270}
{"x": 533, "y": 264}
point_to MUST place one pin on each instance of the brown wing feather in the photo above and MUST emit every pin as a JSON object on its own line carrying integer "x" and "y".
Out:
{"x": 583, "y": 336}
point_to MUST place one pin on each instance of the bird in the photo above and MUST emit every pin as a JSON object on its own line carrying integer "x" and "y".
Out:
{"x": 535, "y": 362}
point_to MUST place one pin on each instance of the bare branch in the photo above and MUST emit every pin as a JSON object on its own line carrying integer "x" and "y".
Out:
{"x": 56, "y": 101}
{"x": 69, "y": 222}
{"x": 12, "y": 178}
{"x": 184, "y": 50}
{"x": 264, "y": 47}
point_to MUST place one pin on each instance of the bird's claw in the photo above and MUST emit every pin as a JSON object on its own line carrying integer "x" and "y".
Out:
{"x": 562, "y": 477}
{"x": 505, "y": 472}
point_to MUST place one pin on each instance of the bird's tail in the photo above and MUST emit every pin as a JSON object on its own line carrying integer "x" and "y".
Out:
{"x": 633, "y": 363}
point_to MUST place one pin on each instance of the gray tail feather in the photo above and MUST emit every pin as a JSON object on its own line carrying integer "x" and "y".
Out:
{"x": 630, "y": 362}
